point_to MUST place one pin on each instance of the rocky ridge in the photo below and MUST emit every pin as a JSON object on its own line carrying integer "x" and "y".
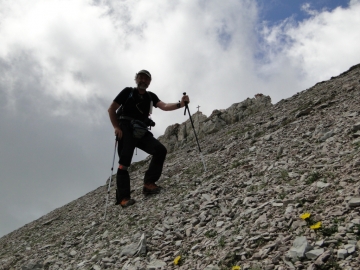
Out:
{"x": 177, "y": 136}
{"x": 266, "y": 167}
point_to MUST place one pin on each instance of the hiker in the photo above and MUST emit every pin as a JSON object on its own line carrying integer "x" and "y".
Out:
{"x": 129, "y": 115}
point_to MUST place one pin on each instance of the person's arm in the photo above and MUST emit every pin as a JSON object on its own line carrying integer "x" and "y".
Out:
{"x": 113, "y": 119}
{"x": 173, "y": 106}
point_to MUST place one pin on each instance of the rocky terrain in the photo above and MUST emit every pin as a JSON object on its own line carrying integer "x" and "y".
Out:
{"x": 267, "y": 165}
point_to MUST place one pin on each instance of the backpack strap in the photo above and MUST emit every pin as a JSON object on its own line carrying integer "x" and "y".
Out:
{"x": 151, "y": 103}
{"x": 121, "y": 108}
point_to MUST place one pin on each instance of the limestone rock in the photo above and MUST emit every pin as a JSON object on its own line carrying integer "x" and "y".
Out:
{"x": 300, "y": 247}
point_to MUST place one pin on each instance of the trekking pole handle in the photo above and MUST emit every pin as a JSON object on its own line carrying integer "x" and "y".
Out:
{"x": 186, "y": 104}
{"x": 185, "y": 95}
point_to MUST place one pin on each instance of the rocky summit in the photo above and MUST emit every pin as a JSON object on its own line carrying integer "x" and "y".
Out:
{"x": 281, "y": 191}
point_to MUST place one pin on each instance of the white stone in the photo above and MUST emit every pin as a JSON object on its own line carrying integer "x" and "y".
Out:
{"x": 219, "y": 223}
{"x": 354, "y": 202}
{"x": 350, "y": 248}
{"x": 356, "y": 221}
{"x": 212, "y": 267}
{"x": 313, "y": 254}
{"x": 82, "y": 263}
{"x": 342, "y": 253}
{"x": 320, "y": 184}
{"x": 156, "y": 264}
{"x": 207, "y": 197}
{"x": 277, "y": 204}
{"x": 105, "y": 234}
{"x": 300, "y": 247}
{"x": 319, "y": 243}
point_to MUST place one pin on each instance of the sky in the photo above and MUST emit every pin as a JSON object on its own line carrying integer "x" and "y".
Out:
{"x": 62, "y": 62}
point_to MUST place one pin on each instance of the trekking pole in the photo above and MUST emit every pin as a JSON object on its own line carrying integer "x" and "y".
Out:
{"x": 187, "y": 108}
{"x": 112, "y": 171}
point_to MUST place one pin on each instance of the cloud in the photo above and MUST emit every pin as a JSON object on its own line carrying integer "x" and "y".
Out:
{"x": 307, "y": 9}
{"x": 320, "y": 47}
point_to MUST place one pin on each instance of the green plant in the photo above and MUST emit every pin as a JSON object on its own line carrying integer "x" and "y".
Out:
{"x": 330, "y": 265}
{"x": 330, "y": 175}
{"x": 284, "y": 174}
{"x": 170, "y": 156}
{"x": 356, "y": 231}
{"x": 313, "y": 177}
{"x": 194, "y": 169}
{"x": 292, "y": 183}
{"x": 302, "y": 107}
{"x": 222, "y": 241}
{"x": 321, "y": 201}
{"x": 231, "y": 131}
{"x": 329, "y": 231}
{"x": 252, "y": 188}
{"x": 338, "y": 220}
{"x": 282, "y": 195}
{"x": 235, "y": 164}
{"x": 210, "y": 233}
{"x": 230, "y": 260}
{"x": 137, "y": 165}
{"x": 259, "y": 134}
{"x": 286, "y": 122}
{"x": 262, "y": 185}
{"x": 258, "y": 173}
{"x": 260, "y": 241}
{"x": 357, "y": 145}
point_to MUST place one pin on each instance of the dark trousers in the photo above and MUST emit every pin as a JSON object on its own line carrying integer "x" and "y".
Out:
{"x": 126, "y": 148}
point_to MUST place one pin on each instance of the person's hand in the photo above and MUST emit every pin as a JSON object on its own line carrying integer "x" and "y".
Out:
{"x": 184, "y": 100}
{"x": 118, "y": 133}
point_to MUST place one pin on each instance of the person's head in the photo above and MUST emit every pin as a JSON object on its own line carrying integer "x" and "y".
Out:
{"x": 143, "y": 79}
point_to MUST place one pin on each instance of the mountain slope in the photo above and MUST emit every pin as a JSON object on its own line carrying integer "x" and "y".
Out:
{"x": 264, "y": 169}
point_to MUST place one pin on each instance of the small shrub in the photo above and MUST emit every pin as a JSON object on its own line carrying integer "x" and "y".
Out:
{"x": 329, "y": 231}
{"x": 330, "y": 265}
{"x": 222, "y": 241}
{"x": 282, "y": 195}
{"x": 210, "y": 234}
{"x": 284, "y": 174}
{"x": 313, "y": 177}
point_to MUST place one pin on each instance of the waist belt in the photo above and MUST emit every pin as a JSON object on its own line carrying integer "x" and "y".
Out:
{"x": 125, "y": 118}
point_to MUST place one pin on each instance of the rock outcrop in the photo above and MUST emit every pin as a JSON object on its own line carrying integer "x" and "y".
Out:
{"x": 176, "y": 136}
{"x": 281, "y": 192}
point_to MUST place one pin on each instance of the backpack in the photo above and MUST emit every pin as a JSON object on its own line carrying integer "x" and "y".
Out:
{"x": 120, "y": 111}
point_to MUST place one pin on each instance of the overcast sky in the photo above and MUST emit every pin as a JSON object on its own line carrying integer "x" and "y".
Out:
{"x": 62, "y": 62}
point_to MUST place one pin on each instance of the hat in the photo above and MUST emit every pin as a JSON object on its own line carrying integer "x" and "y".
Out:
{"x": 144, "y": 72}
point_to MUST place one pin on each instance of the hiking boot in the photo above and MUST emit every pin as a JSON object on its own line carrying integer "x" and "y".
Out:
{"x": 127, "y": 202}
{"x": 151, "y": 188}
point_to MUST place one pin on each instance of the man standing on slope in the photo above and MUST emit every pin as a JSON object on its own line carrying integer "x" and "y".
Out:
{"x": 136, "y": 104}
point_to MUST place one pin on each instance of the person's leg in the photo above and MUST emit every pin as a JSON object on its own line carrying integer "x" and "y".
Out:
{"x": 153, "y": 147}
{"x": 125, "y": 151}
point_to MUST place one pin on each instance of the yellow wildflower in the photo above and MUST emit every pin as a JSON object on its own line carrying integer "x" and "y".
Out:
{"x": 305, "y": 216}
{"x": 176, "y": 260}
{"x": 236, "y": 267}
{"x": 316, "y": 226}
